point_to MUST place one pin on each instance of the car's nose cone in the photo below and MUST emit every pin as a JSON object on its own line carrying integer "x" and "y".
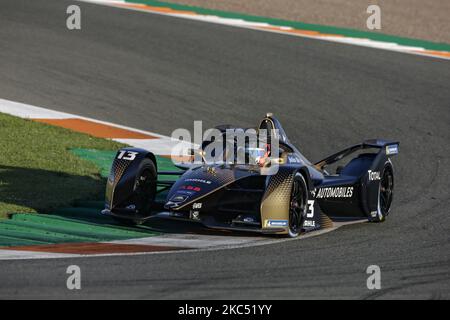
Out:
{"x": 201, "y": 181}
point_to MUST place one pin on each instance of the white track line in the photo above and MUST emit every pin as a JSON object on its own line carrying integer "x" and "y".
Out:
{"x": 194, "y": 241}
{"x": 364, "y": 42}
{"x": 31, "y": 255}
{"x": 27, "y": 111}
{"x": 161, "y": 146}
{"x": 27, "y": 255}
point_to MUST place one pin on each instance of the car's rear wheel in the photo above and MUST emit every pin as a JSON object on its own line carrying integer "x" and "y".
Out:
{"x": 298, "y": 205}
{"x": 385, "y": 193}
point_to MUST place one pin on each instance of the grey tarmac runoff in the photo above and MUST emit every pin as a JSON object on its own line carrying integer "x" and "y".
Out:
{"x": 158, "y": 73}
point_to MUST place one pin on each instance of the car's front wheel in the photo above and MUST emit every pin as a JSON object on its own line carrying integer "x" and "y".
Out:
{"x": 145, "y": 187}
{"x": 144, "y": 192}
{"x": 298, "y": 205}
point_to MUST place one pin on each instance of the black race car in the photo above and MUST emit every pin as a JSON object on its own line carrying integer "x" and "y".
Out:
{"x": 300, "y": 197}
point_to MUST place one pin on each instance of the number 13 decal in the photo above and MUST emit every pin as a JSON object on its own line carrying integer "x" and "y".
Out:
{"x": 310, "y": 211}
{"x": 127, "y": 155}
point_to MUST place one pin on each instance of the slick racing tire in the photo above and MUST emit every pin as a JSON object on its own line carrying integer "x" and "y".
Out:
{"x": 144, "y": 192}
{"x": 298, "y": 205}
{"x": 385, "y": 193}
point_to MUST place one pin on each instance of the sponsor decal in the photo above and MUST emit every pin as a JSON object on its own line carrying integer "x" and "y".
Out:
{"x": 192, "y": 188}
{"x": 309, "y": 223}
{"x": 189, "y": 193}
{"x": 335, "y": 192}
{"x": 374, "y": 175}
{"x": 310, "y": 215}
{"x": 178, "y": 198}
{"x": 310, "y": 211}
{"x": 197, "y": 205}
{"x": 276, "y": 223}
{"x": 293, "y": 159}
{"x": 195, "y": 215}
{"x": 392, "y": 149}
{"x": 176, "y": 214}
{"x": 198, "y": 180}
{"x": 374, "y": 214}
{"x": 127, "y": 155}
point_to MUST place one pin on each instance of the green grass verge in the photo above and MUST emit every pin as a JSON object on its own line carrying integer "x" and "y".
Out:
{"x": 46, "y": 169}
{"x": 76, "y": 224}
{"x": 39, "y": 173}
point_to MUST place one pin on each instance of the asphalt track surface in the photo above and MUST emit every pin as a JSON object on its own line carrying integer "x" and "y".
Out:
{"x": 159, "y": 73}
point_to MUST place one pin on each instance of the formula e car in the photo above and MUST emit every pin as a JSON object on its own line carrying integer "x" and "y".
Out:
{"x": 300, "y": 197}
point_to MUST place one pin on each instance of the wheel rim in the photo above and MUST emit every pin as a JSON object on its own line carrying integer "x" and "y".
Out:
{"x": 386, "y": 191}
{"x": 145, "y": 188}
{"x": 297, "y": 206}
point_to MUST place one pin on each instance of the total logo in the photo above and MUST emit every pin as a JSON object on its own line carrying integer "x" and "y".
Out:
{"x": 374, "y": 175}
{"x": 335, "y": 192}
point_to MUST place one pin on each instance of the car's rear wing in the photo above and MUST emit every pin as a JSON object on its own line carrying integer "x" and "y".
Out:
{"x": 390, "y": 148}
